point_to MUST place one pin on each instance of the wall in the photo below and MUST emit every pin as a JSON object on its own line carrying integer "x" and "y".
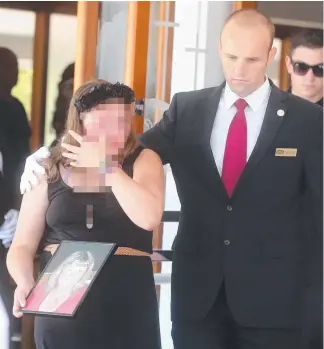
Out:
{"x": 21, "y": 45}
{"x": 112, "y": 41}
{"x": 17, "y": 33}
{"x": 218, "y": 11}
{"x": 62, "y": 46}
{"x": 296, "y": 11}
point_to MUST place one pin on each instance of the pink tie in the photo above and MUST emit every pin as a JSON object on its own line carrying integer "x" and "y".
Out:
{"x": 235, "y": 150}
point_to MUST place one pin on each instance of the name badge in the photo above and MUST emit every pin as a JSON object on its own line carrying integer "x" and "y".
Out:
{"x": 291, "y": 152}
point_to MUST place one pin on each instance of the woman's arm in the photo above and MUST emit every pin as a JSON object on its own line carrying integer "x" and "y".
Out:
{"x": 29, "y": 231}
{"x": 142, "y": 197}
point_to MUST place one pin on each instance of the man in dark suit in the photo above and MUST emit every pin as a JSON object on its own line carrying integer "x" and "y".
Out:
{"x": 238, "y": 277}
{"x": 14, "y": 149}
{"x": 6, "y": 302}
{"x": 6, "y": 292}
{"x": 305, "y": 66}
{"x": 14, "y": 125}
{"x": 8, "y": 219}
{"x": 242, "y": 155}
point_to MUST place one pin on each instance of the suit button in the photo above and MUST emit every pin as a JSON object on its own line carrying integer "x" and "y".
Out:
{"x": 227, "y": 242}
{"x": 229, "y": 208}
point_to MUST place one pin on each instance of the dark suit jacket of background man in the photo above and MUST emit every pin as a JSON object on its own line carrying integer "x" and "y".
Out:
{"x": 253, "y": 241}
{"x": 9, "y": 199}
{"x": 14, "y": 144}
{"x": 14, "y": 148}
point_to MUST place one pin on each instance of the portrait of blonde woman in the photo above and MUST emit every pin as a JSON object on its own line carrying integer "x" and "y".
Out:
{"x": 99, "y": 185}
{"x": 64, "y": 288}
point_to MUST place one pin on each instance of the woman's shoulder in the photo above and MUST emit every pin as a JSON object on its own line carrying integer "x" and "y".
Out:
{"x": 141, "y": 154}
{"x": 148, "y": 157}
{"x": 141, "y": 158}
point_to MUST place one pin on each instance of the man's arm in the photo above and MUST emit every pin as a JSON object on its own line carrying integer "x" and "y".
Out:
{"x": 161, "y": 136}
{"x": 313, "y": 164}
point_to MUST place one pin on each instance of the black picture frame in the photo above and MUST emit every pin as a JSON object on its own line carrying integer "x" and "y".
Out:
{"x": 87, "y": 259}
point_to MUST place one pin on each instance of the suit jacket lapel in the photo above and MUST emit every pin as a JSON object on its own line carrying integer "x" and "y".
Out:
{"x": 269, "y": 129}
{"x": 209, "y": 113}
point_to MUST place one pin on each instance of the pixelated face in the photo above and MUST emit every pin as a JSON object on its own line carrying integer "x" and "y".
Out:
{"x": 305, "y": 67}
{"x": 245, "y": 54}
{"x": 112, "y": 121}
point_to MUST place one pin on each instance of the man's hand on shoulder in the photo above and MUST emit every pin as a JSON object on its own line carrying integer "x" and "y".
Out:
{"x": 33, "y": 169}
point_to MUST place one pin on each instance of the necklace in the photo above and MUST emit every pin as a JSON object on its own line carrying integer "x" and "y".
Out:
{"x": 89, "y": 216}
{"x": 89, "y": 207}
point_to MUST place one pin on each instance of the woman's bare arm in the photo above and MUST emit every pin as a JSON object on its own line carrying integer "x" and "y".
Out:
{"x": 142, "y": 197}
{"x": 29, "y": 231}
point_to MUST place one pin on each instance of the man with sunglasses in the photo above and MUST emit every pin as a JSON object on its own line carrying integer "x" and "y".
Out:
{"x": 305, "y": 65}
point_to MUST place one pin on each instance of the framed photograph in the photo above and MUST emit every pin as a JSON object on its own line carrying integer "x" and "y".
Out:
{"x": 67, "y": 278}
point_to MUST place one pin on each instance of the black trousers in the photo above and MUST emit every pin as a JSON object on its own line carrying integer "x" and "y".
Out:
{"x": 219, "y": 330}
{"x": 6, "y": 290}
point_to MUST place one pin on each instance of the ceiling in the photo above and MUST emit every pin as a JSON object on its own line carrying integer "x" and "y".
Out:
{"x": 63, "y": 7}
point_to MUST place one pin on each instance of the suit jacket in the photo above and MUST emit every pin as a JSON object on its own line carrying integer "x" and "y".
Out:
{"x": 9, "y": 184}
{"x": 253, "y": 241}
{"x": 14, "y": 147}
{"x": 6, "y": 194}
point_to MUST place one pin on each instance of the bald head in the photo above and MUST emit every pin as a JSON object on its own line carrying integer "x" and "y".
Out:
{"x": 246, "y": 50}
{"x": 251, "y": 19}
{"x": 8, "y": 69}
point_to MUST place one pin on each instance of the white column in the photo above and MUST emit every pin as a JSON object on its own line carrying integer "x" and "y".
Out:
{"x": 218, "y": 11}
{"x": 112, "y": 41}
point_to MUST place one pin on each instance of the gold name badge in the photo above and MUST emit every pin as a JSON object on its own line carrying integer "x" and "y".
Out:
{"x": 286, "y": 152}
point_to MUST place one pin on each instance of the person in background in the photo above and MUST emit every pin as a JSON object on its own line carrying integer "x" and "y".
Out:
{"x": 65, "y": 92}
{"x": 6, "y": 299}
{"x": 14, "y": 149}
{"x": 15, "y": 130}
{"x": 305, "y": 65}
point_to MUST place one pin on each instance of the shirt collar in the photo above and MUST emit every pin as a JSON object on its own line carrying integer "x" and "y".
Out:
{"x": 254, "y": 100}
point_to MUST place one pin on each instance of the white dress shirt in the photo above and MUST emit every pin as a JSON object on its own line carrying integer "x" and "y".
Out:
{"x": 257, "y": 104}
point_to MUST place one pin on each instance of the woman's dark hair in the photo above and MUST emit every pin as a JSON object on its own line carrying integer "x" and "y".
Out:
{"x": 87, "y": 97}
{"x": 65, "y": 92}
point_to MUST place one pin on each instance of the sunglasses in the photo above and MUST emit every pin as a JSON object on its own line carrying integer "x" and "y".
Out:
{"x": 302, "y": 69}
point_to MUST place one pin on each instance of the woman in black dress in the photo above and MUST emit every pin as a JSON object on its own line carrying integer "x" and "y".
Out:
{"x": 99, "y": 164}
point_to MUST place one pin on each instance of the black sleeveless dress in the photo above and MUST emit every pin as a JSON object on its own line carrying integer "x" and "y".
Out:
{"x": 120, "y": 311}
